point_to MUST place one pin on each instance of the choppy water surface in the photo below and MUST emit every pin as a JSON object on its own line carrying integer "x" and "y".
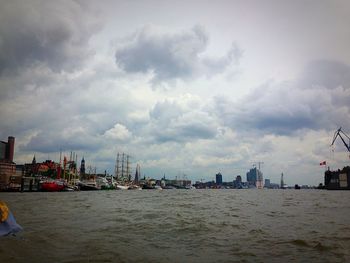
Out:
{"x": 180, "y": 226}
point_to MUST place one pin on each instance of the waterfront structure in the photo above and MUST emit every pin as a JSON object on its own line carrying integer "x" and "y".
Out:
{"x": 267, "y": 183}
{"x": 340, "y": 179}
{"x": 7, "y": 149}
{"x": 255, "y": 178}
{"x": 218, "y": 178}
{"x": 282, "y": 182}
{"x": 7, "y": 166}
{"x": 238, "y": 182}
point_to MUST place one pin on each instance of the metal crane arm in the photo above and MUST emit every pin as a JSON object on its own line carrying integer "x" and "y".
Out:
{"x": 339, "y": 133}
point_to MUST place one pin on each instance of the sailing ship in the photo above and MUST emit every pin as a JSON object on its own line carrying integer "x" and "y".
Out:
{"x": 123, "y": 172}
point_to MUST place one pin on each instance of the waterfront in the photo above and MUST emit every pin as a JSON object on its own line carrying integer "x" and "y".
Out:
{"x": 179, "y": 226}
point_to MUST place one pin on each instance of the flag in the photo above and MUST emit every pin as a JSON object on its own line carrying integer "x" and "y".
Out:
{"x": 8, "y": 223}
{"x": 323, "y": 163}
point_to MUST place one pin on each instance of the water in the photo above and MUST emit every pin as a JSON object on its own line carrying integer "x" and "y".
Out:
{"x": 180, "y": 226}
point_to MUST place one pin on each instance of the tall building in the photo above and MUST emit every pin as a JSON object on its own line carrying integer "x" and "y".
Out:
{"x": 255, "y": 177}
{"x": 7, "y": 166}
{"x": 219, "y": 179}
{"x": 7, "y": 149}
{"x": 238, "y": 182}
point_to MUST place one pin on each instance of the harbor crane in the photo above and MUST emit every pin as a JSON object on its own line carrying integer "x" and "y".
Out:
{"x": 341, "y": 134}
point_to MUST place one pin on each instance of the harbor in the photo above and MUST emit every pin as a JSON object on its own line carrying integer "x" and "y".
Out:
{"x": 68, "y": 175}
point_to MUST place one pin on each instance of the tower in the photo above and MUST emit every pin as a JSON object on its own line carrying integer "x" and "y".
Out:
{"x": 282, "y": 182}
{"x": 137, "y": 174}
{"x": 82, "y": 167}
{"x": 219, "y": 179}
{"x": 10, "y": 148}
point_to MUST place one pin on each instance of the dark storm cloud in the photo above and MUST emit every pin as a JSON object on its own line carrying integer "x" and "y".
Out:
{"x": 46, "y": 142}
{"x": 320, "y": 99}
{"x": 171, "y": 56}
{"x": 52, "y": 33}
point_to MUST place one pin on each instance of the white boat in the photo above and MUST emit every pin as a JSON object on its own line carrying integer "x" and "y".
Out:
{"x": 87, "y": 185}
{"x": 134, "y": 187}
{"x": 122, "y": 187}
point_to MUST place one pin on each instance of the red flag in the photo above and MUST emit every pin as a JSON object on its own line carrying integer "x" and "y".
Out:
{"x": 323, "y": 163}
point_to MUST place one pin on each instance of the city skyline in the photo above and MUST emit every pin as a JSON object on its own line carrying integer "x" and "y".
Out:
{"x": 191, "y": 88}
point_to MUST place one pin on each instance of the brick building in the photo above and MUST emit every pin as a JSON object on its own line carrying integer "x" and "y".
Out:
{"x": 7, "y": 166}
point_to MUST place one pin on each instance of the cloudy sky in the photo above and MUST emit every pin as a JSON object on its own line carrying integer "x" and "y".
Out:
{"x": 184, "y": 87}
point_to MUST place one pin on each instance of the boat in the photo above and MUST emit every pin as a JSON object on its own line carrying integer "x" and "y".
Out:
{"x": 169, "y": 187}
{"x": 148, "y": 187}
{"x": 88, "y": 185}
{"x": 51, "y": 185}
{"x": 122, "y": 187}
{"x": 134, "y": 187}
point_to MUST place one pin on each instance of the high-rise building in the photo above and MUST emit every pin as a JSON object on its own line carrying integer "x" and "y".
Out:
{"x": 238, "y": 182}
{"x": 219, "y": 179}
{"x": 7, "y": 149}
{"x": 255, "y": 177}
{"x": 7, "y": 166}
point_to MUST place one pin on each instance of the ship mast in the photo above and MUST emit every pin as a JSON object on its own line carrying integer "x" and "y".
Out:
{"x": 123, "y": 160}
{"x": 128, "y": 175}
{"x": 117, "y": 171}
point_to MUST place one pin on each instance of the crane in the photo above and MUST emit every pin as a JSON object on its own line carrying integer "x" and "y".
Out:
{"x": 340, "y": 133}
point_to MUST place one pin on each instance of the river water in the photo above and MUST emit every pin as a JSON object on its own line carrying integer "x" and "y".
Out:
{"x": 179, "y": 226}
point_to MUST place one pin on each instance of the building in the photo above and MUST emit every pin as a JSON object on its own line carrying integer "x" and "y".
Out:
{"x": 7, "y": 149}
{"x": 7, "y": 166}
{"x": 267, "y": 183}
{"x": 218, "y": 179}
{"x": 238, "y": 182}
{"x": 255, "y": 178}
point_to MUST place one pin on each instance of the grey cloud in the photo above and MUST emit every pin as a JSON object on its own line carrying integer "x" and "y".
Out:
{"x": 47, "y": 142}
{"x": 171, "y": 121}
{"x": 44, "y": 32}
{"x": 329, "y": 74}
{"x": 316, "y": 101}
{"x": 171, "y": 56}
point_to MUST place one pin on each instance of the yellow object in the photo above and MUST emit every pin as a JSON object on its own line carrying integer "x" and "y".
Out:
{"x": 4, "y": 212}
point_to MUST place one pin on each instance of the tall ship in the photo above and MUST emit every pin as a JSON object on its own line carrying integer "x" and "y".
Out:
{"x": 339, "y": 179}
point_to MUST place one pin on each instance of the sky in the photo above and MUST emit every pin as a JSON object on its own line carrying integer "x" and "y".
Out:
{"x": 184, "y": 87}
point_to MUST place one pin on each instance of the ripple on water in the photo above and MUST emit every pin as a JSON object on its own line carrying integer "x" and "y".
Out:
{"x": 179, "y": 226}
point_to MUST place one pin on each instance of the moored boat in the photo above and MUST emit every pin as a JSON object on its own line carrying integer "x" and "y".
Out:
{"x": 88, "y": 185}
{"x": 122, "y": 187}
{"x": 53, "y": 185}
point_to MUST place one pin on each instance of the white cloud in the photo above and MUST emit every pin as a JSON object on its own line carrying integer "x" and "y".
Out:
{"x": 118, "y": 132}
